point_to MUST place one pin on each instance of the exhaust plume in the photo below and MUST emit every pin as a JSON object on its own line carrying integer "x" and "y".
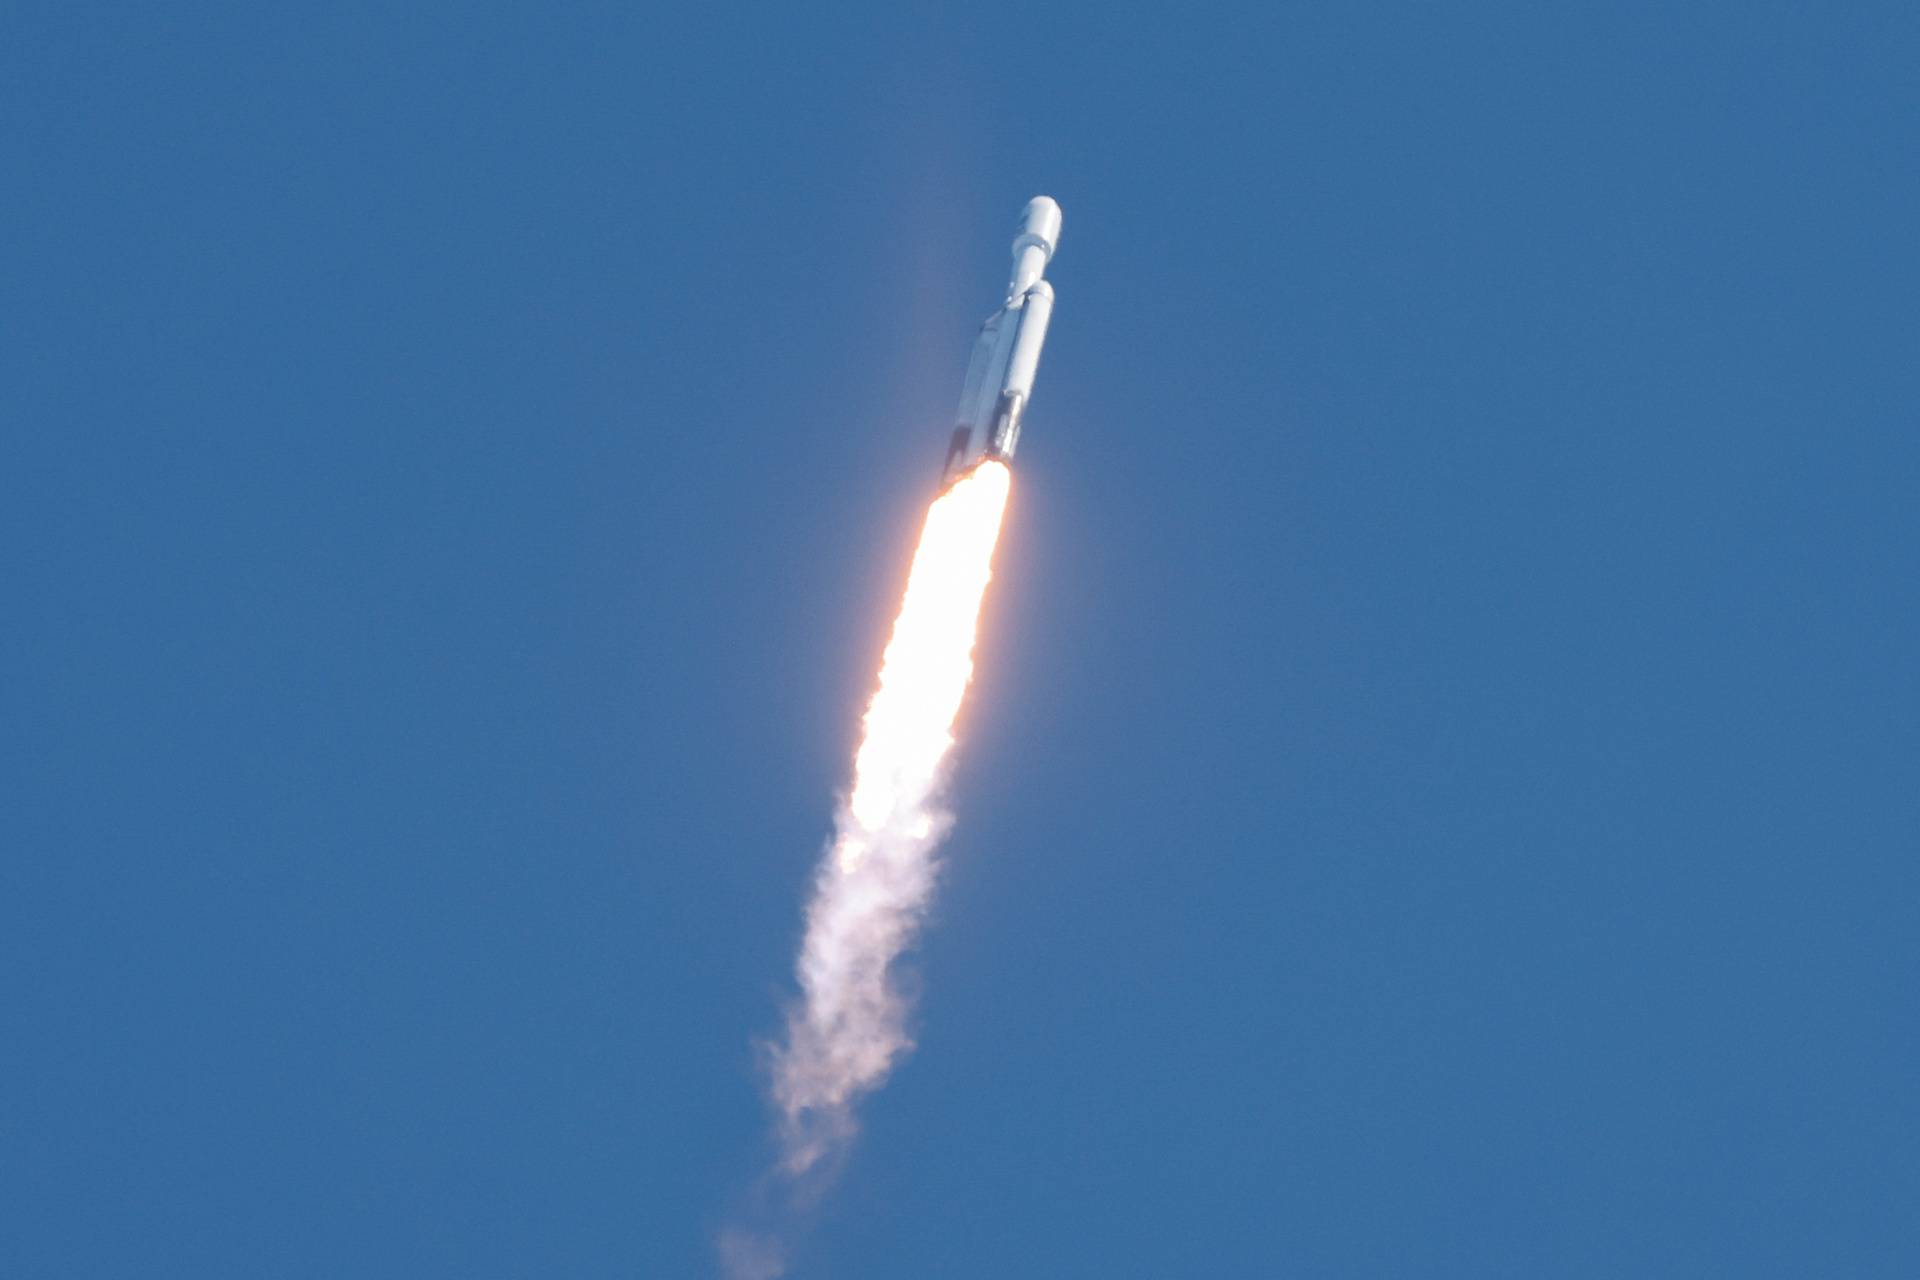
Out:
{"x": 848, "y": 1028}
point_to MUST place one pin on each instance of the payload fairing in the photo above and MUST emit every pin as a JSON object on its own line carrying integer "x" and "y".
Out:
{"x": 1007, "y": 353}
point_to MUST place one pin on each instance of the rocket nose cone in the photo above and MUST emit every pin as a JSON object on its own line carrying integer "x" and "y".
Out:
{"x": 1040, "y": 223}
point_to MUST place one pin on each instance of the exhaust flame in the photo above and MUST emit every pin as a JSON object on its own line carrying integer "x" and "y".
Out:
{"x": 929, "y": 660}
{"x": 849, "y": 1026}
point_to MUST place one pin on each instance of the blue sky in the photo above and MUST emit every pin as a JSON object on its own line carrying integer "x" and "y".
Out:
{"x": 1439, "y": 797}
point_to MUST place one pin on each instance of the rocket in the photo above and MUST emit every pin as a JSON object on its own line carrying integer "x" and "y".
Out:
{"x": 1007, "y": 353}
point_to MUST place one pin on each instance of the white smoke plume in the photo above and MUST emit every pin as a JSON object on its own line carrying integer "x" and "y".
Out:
{"x": 848, "y": 1030}
{"x": 849, "y": 1027}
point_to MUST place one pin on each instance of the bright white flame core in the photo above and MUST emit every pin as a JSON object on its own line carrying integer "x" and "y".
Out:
{"x": 929, "y": 660}
{"x": 849, "y": 1028}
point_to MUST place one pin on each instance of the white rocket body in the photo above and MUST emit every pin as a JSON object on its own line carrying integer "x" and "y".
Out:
{"x": 1006, "y": 356}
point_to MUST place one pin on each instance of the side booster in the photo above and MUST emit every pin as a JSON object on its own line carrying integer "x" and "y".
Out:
{"x": 1007, "y": 353}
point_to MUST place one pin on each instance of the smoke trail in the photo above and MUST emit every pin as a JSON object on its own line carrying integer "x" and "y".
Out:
{"x": 848, "y": 1029}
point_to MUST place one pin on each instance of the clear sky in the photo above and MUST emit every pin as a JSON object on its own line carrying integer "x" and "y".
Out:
{"x": 1442, "y": 790}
